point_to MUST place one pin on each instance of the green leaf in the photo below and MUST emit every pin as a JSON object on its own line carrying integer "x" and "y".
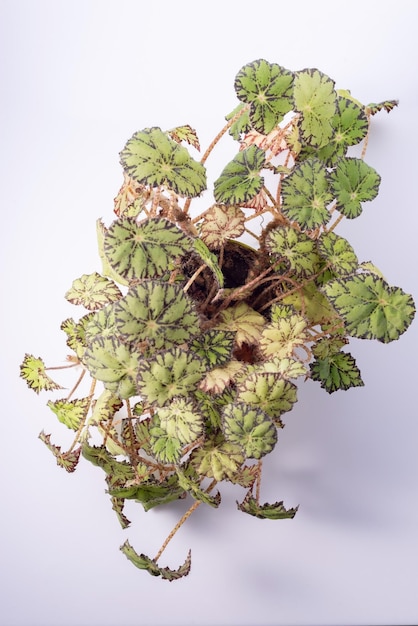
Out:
{"x": 286, "y": 367}
{"x": 353, "y": 182}
{"x": 110, "y": 360}
{"x": 306, "y": 195}
{"x": 222, "y": 223}
{"x": 152, "y": 158}
{"x": 169, "y": 374}
{"x": 315, "y": 306}
{"x": 386, "y": 105}
{"x": 268, "y": 392}
{"x": 217, "y": 458}
{"x": 93, "y": 291}
{"x": 370, "y": 308}
{"x": 244, "y": 321}
{"x": 151, "y": 493}
{"x": 337, "y": 253}
{"x": 107, "y": 270}
{"x": 67, "y": 460}
{"x": 185, "y": 133}
{"x": 350, "y": 126}
{"x": 266, "y": 511}
{"x": 316, "y": 100}
{"x": 117, "y": 471}
{"x": 281, "y": 338}
{"x": 145, "y": 250}
{"x": 156, "y": 312}
{"x": 336, "y": 371}
{"x": 181, "y": 420}
{"x": 242, "y": 123}
{"x": 240, "y": 180}
{"x": 105, "y": 408}
{"x": 268, "y": 89}
{"x": 33, "y": 371}
{"x": 165, "y": 448}
{"x": 295, "y": 248}
{"x": 350, "y": 123}
{"x": 144, "y": 562}
{"x": 192, "y": 486}
{"x": 101, "y": 322}
{"x": 209, "y": 259}
{"x": 214, "y": 346}
{"x": 117, "y": 506}
{"x": 251, "y": 428}
{"x": 71, "y": 413}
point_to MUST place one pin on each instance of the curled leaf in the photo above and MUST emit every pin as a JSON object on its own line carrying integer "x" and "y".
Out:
{"x": 144, "y": 562}
{"x": 266, "y": 511}
{"x": 33, "y": 371}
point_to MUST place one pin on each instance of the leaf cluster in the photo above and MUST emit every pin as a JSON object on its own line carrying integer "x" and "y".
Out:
{"x": 194, "y": 342}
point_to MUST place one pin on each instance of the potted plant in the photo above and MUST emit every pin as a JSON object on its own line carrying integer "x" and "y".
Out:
{"x": 201, "y": 324}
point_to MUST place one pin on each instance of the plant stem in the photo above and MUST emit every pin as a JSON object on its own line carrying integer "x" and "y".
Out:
{"x": 83, "y": 421}
{"x": 182, "y": 520}
{"x": 214, "y": 142}
{"x": 177, "y": 527}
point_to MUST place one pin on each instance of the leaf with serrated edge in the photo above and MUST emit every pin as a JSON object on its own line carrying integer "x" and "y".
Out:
{"x": 180, "y": 419}
{"x": 151, "y": 157}
{"x": 156, "y": 312}
{"x": 214, "y": 346}
{"x": 71, "y": 413}
{"x": 67, "y": 460}
{"x": 242, "y": 123}
{"x": 316, "y": 100}
{"x": 169, "y": 374}
{"x": 336, "y": 371}
{"x": 266, "y": 511}
{"x": 117, "y": 506}
{"x": 217, "y": 458}
{"x": 249, "y": 427}
{"x": 269, "y": 392}
{"x": 185, "y": 133}
{"x": 306, "y": 194}
{"x": 286, "y": 367}
{"x": 193, "y": 488}
{"x": 268, "y": 88}
{"x": 337, "y": 253}
{"x": 165, "y": 448}
{"x": 104, "y": 408}
{"x": 113, "y": 362}
{"x": 145, "y": 250}
{"x": 281, "y": 338}
{"x": 144, "y": 562}
{"x": 386, "y": 105}
{"x": 221, "y": 223}
{"x": 93, "y": 291}
{"x": 33, "y": 371}
{"x": 370, "y": 308}
{"x": 295, "y": 248}
{"x": 240, "y": 180}
{"x": 353, "y": 182}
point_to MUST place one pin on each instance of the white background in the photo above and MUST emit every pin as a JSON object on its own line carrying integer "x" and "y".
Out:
{"x": 78, "y": 78}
